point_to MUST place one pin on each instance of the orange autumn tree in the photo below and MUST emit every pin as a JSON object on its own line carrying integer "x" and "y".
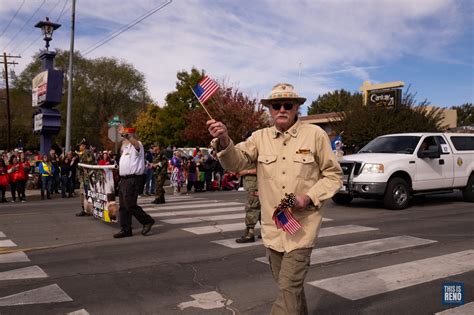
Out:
{"x": 236, "y": 110}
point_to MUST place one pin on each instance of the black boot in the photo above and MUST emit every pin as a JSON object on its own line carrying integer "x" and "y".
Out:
{"x": 162, "y": 199}
{"x": 248, "y": 237}
{"x": 123, "y": 233}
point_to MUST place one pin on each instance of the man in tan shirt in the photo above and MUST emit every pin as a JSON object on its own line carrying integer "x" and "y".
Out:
{"x": 291, "y": 157}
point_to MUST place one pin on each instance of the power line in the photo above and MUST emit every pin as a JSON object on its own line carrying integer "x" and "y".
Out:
{"x": 14, "y": 36}
{"x": 124, "y": 28}
{"x": 40, "y": 36}
{"x": 21, "y": 5}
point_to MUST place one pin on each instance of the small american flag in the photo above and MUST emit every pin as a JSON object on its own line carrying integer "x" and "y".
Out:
{"x": 205, "y": 89}
{"x": 284, "y": 220}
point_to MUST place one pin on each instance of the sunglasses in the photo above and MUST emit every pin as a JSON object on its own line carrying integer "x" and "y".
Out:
{"x": 286, "y": 106}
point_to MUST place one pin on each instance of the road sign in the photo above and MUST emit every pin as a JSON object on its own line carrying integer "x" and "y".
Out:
{"x": 114, "y": 122}
{"x": 113, "y": 134}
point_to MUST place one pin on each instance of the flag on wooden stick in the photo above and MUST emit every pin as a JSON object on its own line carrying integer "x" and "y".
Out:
{"x": 205, "y": 89}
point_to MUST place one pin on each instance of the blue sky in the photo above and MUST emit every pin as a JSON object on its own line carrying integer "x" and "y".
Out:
{"x": 318, "y": 46}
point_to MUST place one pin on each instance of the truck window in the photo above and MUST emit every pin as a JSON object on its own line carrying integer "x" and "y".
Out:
{"x": 392, "y": 144}
{"x": 463, "y": 143}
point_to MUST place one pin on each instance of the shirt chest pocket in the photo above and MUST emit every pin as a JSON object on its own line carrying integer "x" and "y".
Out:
{"x": 303, "y": 165}
{"x": 267, "y": 165}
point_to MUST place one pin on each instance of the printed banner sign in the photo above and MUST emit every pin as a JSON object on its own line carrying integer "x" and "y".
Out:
{"x": 99, "y": 191}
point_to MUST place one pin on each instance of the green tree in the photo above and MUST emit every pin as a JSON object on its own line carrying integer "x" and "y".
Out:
{"x": 334, "y": 102}
{"x": 360, "y": 124}
{"x": 149, "y": 126}
{"x": 102, "y": 87}
{"x": 465, "y": 114}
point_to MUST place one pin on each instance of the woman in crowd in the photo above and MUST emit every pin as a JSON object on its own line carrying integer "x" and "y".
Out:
{"x": 4, "y": 180}
{"x": 46, "y": 169}
{"x": 192, "y": 171}
{"x": 177, "y": 178}
{"x": 16, "y": 174}
{"x": 21, "y": 183}
{"x": 104, "y": 159}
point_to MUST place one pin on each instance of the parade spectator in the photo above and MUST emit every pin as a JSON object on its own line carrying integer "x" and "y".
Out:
{"x": 4, "y": 180}
{"x": 218, "y": 170}
{"x": 66, "y": 177}
{"x": 291, "y": 157}
{"x": 56, "y": 179}
{"x": 104, "y": 159}
{"x": 177, "y": 177}
{"x": 192, "y": 171}
{"x": 131, "y": 168}
{"x": 150, "y": 178}
{"x": 74, "y": 158}
{"x": 209, "y": 165}
{"x": 21, "y": 183}
{"x": 46, "y": 170}
{"x": 15, "y": 173}
{"x": 230, "y": 181}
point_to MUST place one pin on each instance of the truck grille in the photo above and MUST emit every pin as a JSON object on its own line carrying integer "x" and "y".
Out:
{"x": 348, "y": 167}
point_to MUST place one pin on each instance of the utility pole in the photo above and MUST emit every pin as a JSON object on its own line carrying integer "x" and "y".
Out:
{"x": 6, "y": 63}
{"x": 71, "y": 76}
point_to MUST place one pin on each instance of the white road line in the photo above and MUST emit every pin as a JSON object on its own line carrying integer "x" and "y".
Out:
{"x": 7, "y": 243}
{"x": 49, "y": 294}
{"x": 79, "y": 312}
{"x": 160, "y": 206}
{"x": 460, "y": 310}
{"x": 196, "y": 212}
{"x": 376, "y": 281}
{"x": 324, "y": 232}
{"x": 205, "y": 218}
{"x": 13, "y": 257}
{"x": 197, "y": 206}
{"x": 2, "y": 234}
{"x": 360, "y": 249}
{"x": 23, "y": 273}
{"x": 209, "y": 229}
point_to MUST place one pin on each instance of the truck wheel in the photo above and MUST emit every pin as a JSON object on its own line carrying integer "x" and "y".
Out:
{"x": 342, "y": 199}
{"x": 397, "y": 194}
{"x": 468, "y": 192}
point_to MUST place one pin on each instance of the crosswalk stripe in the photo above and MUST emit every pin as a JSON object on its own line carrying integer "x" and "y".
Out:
{"x": 48, "y": 294}
{"x": 13, "y": 257}
{"x": 460, "y": 310}
{"x": 197, "y": 206}
{"x": 187, "y": 203}
{"x": 23, "y": 273}
{"x": 7, "y": 243}
{"x": 79, "y": 312}
{"x": 217, "y": 228}
{"x": 194, "y": 212}
{"x": 376, "y": 281}
{"x": 324, "y": 232}
{"x": 2, "y": 234}
{"x": 205, "y": 218}
{"x": 360, "y": 249}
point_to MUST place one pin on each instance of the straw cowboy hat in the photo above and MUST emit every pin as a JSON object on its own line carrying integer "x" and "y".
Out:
{"x": 283, "y": 92}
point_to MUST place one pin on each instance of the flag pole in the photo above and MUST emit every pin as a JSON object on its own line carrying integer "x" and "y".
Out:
{"x": 201, "y": 103}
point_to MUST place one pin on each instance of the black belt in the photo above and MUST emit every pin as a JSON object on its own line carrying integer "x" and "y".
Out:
{"x": 130, "y": 176}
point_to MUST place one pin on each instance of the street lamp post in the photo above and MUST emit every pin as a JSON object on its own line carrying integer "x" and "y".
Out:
{"x": 47, "y": 91}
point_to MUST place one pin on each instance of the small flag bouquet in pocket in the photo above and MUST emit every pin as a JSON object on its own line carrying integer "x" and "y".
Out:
{"x": 283, "y": 217}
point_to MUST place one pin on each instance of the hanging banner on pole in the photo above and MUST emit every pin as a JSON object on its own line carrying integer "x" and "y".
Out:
{"x": 99, "y": 191}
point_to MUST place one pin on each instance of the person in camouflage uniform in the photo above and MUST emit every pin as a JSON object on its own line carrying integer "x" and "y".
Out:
{"x": 160, "y": 166}
{"x": 85, "y": 157}
{"x": 252, "y": 206}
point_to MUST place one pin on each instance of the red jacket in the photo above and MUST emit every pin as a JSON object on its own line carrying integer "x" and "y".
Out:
{"x": 17, "y": 175}
{"x": 3, "y": 176}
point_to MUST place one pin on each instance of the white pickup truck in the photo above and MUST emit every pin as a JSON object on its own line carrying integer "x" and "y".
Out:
{"x": 397, "y": 166}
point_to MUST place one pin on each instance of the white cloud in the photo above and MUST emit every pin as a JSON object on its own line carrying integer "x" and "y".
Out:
{"x": 259, "y": 43}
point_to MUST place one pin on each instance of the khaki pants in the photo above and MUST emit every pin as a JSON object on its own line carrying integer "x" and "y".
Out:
{"x": 289, "y": 271}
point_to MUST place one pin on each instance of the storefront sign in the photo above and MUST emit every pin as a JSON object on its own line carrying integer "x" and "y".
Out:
{"x": 388, "y": 98}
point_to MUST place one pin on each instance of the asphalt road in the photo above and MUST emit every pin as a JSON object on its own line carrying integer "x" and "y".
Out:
{"x": 387, "y": 262}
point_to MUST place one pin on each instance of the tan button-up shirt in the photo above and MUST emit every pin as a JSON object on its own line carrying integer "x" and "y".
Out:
{"x": 299, "y": 160}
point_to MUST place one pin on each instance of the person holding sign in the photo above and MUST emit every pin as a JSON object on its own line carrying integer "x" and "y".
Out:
{"x": 291, "y": 158}
{"x": 131, "y": 169}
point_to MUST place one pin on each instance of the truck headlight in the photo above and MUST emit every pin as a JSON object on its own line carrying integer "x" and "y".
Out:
{"x": 372, "y": 168}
